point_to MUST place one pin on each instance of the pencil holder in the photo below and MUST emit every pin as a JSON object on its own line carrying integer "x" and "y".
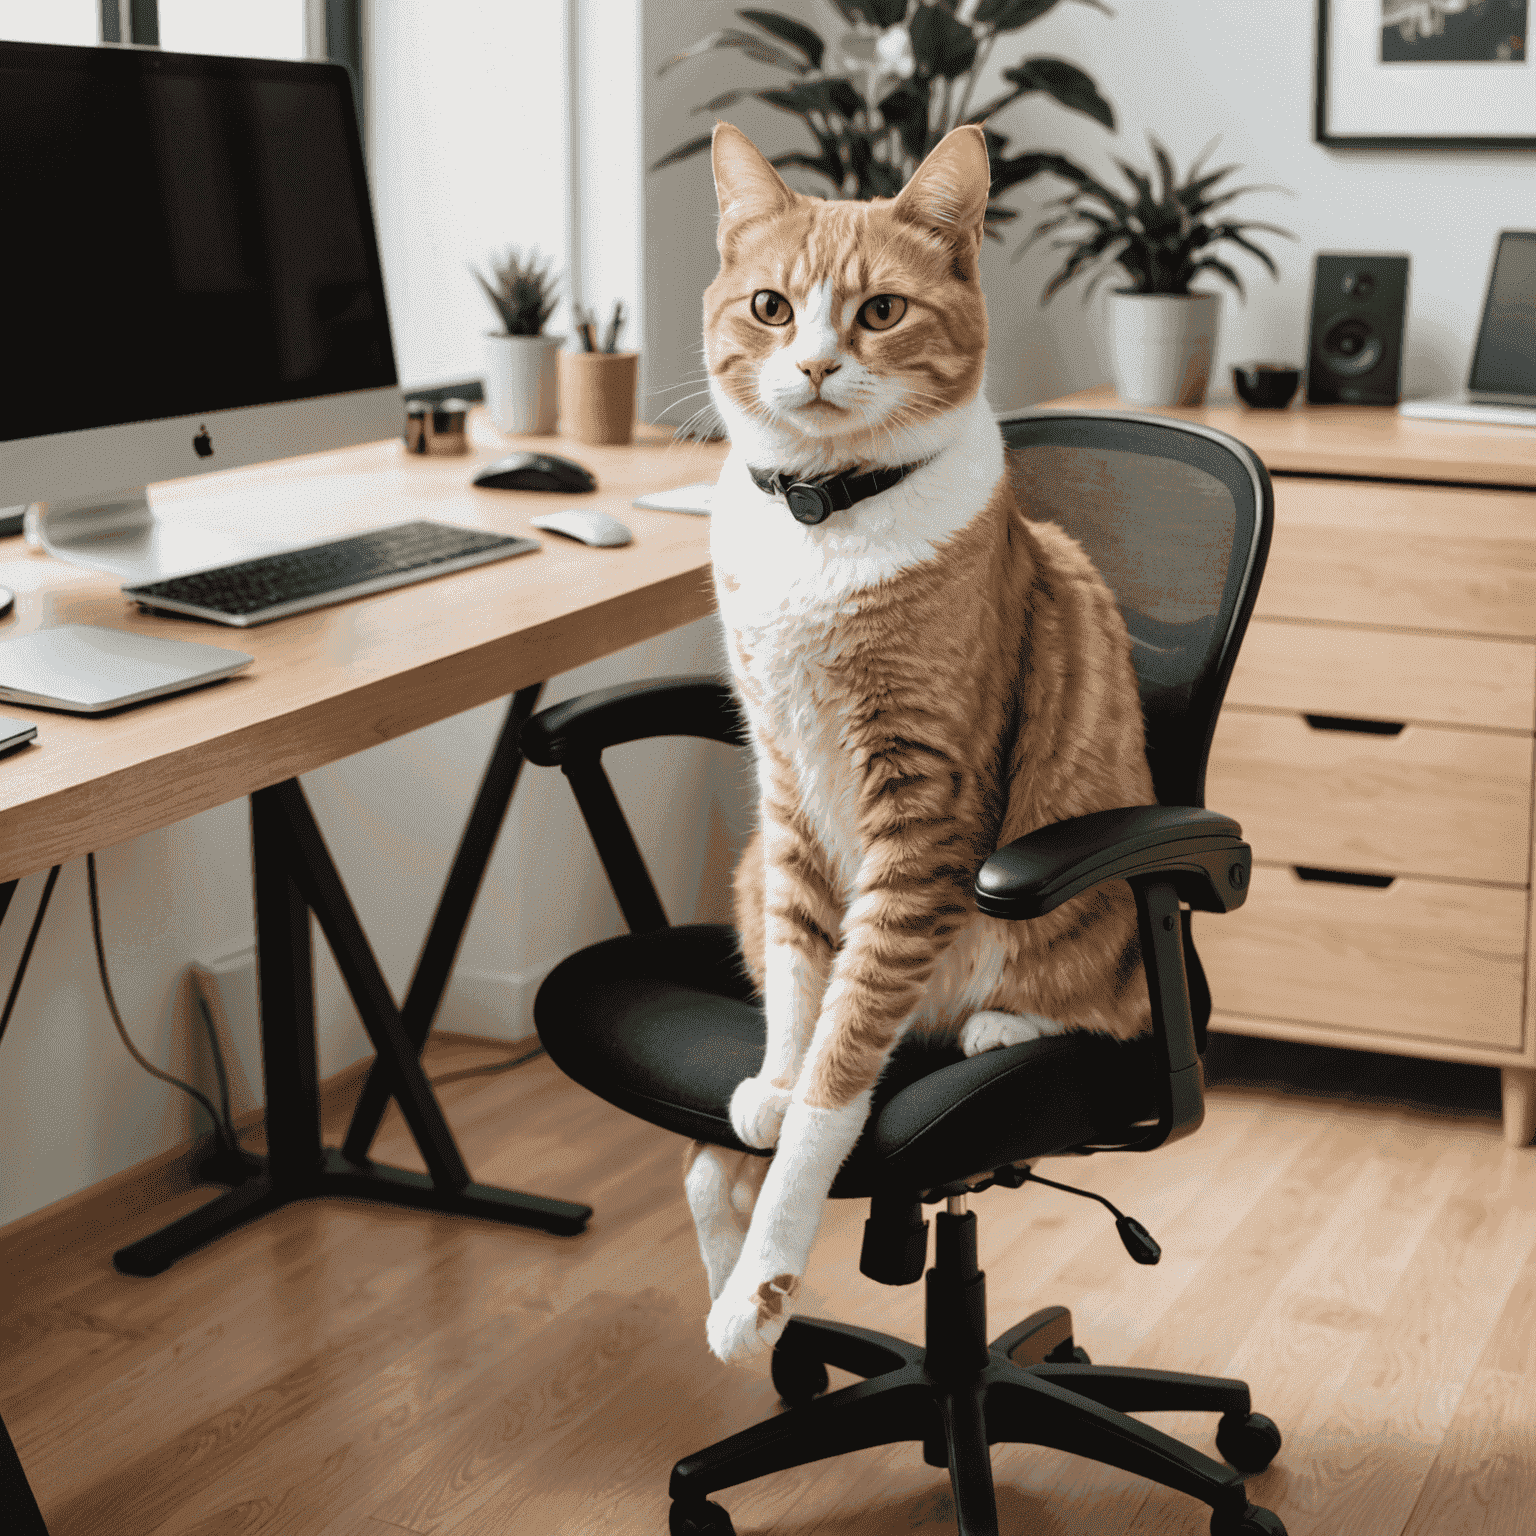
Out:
{"x": 597, "y": 396}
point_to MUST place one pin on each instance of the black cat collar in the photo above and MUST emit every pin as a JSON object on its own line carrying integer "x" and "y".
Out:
{"x": 814, "y": 501}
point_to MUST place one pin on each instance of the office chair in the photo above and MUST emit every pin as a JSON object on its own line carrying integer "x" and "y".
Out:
{"x": 663, "y": 1022}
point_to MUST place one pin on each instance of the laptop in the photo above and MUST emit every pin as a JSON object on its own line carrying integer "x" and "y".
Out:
{"x": 1502, "y": 385}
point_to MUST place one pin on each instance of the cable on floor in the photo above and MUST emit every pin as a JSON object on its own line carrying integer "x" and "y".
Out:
{"x": 487, "y": 1071}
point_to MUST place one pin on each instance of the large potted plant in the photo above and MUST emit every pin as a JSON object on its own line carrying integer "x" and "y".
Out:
{"x": 1157, "y": 240}
{"x": 520, "y": 378}
{"x": 895, "y": 77}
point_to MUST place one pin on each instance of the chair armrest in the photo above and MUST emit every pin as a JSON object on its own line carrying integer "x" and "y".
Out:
{"x": 607, "y": 717}
{"x": 1202, "y": 854}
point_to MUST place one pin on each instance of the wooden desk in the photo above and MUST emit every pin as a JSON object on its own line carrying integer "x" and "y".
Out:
{"x": 1377, "y": 737}
{"x": 326, "y": 684}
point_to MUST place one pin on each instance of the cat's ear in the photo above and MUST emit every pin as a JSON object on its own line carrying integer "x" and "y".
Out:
{"x": 948, "y": 192}
{"x": 745, "y": 184}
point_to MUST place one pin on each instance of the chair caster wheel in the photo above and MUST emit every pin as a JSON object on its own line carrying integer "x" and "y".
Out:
{"x": 1249, "y": 1443}
{"x": 702, "y": 1519}
{"x": 797, "y": 1377}
{"x": 1252, "y": 1522}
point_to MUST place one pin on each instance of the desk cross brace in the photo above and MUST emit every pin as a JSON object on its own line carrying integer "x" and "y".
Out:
{"x": 294, "y": 876}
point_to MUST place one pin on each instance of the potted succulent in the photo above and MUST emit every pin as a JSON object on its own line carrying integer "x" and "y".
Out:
{"x": 1157, "y": 239}
{"x": 520, "y": 380}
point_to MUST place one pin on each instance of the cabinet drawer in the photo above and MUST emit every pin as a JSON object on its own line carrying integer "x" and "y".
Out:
{"x": 1427, "y": 801}
{"x": 1428, "y": 961}
{"x": 1414, "y": 556}
{"x": 1380, "y": 675}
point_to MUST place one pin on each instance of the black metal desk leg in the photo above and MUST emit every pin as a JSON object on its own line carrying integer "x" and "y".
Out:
{"x": 441, "y": 946}
{"x": 295, "y": 875}
{"x": 19, "y": 1514}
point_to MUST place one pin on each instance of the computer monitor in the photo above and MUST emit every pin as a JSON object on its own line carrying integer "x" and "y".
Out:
{"x": 1504, "y": 364}
{"x": 192, "y": 284}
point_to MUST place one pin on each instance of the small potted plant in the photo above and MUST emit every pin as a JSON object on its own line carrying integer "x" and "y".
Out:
{"x": 1157, "y": 239}
{"x": 520, "y": 380}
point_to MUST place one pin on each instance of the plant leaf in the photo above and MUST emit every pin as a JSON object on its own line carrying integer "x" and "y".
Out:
{"x": 1233, "y": 232}
{"x": 1165, "y": 170}
{"x": 1211, "y": 264}
{"x": 795, "y": 33}
{"x": 906, "y": 110}
{"x": 823, "y": 165}
{"x": 1065, "y": 83}
{"x": 725, "y": 99}
{"x": 683, "y": 151}
{"x": 884, "y": 13}
{"x": 1009, "y": 173}
{"x": 755, "y": 48}
{"x": 1010, "y": 15}
{"x": 941, "y": 45}
{"x": 836, "y": 96}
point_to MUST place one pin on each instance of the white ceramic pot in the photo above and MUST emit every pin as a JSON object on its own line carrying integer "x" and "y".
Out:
{"x": 1161, "y": 346}
{"x": 521, "y": 391}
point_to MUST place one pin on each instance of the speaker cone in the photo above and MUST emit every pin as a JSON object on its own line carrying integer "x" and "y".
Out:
{"x": 1351, "y": 346}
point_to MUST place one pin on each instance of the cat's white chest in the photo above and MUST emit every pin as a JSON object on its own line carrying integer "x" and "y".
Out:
{"x": 787, "y": 593}
{"x": 783, "y": 635}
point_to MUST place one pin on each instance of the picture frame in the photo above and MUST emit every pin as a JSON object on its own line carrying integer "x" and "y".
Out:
{"x": 1425, "y": 74}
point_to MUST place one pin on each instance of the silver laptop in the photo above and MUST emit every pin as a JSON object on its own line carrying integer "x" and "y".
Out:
{"x": 1502, "y": 386}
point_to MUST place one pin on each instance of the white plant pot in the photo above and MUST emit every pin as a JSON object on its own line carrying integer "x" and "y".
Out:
{"x": 521, "y": 391}
{"x": 1161, "y": 346}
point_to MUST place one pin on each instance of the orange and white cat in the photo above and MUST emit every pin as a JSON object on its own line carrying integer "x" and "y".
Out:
{"x": 927, "y": 675}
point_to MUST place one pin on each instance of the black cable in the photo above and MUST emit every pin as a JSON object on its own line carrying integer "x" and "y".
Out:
{"x": 226, "y": 1132}
{"x": 494, "y": 1067}
{"x": 117, "y": 1018}
{"x": 26, "y": 953}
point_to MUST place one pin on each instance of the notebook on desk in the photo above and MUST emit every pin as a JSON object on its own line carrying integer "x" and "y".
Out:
{"x": 1502, "y": 384}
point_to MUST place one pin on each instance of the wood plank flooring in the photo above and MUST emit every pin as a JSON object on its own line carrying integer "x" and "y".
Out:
{"x": 1348, "y": 1233}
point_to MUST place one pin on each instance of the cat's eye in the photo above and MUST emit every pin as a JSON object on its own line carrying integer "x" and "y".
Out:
{"x": 881, "y": 312}
{"x": 771, "y": 308}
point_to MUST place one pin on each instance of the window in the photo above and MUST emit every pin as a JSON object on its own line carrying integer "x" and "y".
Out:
{"x": 275, "y": 29}
{"x": 50, "y": 21}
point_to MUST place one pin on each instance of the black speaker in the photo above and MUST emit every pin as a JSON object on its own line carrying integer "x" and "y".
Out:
{"x": 1355, "y": 353}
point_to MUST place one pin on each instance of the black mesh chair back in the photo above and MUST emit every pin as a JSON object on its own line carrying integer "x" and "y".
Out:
{"x": 1176, "y": 518}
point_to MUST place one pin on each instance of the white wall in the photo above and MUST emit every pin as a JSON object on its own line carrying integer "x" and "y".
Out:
{"x": 469, "y": 144}
{"x": 1187, "y": 70}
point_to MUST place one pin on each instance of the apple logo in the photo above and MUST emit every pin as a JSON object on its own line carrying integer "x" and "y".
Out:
{"x": 203, "y": 443}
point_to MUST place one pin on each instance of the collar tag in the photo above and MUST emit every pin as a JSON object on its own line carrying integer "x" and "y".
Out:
{"x": 812, "y": 502}
{"x": 809, "y": 504}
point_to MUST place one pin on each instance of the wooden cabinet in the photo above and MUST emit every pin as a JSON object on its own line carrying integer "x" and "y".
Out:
{"x": 1377, "y": 744}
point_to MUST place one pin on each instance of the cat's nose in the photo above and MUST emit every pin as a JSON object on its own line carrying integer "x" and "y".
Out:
{"x": 818, "y": 369}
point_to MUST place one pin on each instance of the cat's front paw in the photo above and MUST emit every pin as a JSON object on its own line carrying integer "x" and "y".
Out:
{"x": 746, "y": 1320}
{"x": 991, "y": 1030}
{"x": 757, "y": 1111}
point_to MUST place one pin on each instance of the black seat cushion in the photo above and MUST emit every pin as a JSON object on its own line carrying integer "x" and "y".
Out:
{"x": 665, "y": 1024}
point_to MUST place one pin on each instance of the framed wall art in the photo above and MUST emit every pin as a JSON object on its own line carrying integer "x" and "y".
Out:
{"x": 1425, "y": 74}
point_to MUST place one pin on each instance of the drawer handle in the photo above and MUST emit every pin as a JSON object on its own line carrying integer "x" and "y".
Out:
{"x": 1343, "y": 877}
{"x": 1352, "y": 723}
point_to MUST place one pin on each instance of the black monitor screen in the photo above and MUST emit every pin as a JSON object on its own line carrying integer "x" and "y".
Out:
{"x": 1505, "y": 362}
{"x": 182, "y": 235}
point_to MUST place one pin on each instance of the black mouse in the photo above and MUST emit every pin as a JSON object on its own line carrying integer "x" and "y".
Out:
{"x": 535, "y": 472}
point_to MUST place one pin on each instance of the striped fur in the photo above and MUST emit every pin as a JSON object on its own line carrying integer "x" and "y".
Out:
{"x": 927, "y": 676}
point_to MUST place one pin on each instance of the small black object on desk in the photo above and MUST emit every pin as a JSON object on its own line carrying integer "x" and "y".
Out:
{"x": 1266, "y": 386}
{"x": 536, "y": 472}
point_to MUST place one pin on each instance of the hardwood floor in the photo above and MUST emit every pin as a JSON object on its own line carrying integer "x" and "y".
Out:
{"x": 1348, "y": 1233}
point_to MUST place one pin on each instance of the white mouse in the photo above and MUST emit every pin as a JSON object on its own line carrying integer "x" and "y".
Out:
{"x": 586, "y": 524}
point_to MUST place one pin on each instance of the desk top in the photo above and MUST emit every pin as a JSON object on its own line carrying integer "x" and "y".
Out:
{"x": 1367, "y": 440}
{"x": 333, "y": 681}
